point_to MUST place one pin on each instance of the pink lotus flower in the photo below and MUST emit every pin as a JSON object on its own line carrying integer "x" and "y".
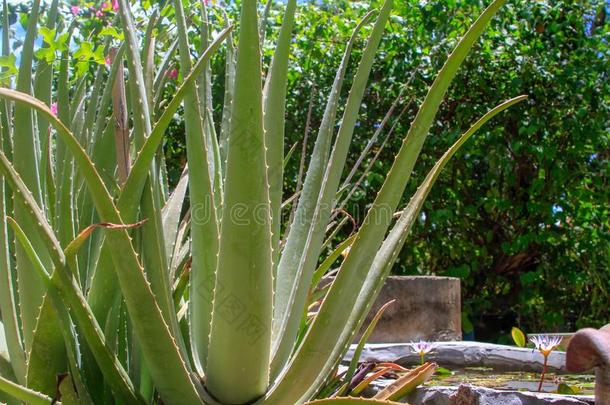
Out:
{"x": 422, "y": 348}
{"x": 54, "y": 108}
{"x": 75, "y": 10}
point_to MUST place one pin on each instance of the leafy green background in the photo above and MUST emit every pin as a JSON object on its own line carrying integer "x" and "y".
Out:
{"x": 521, "y": 214}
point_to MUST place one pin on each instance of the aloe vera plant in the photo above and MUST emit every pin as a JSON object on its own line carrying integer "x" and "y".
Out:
{"x": 109, "y": 292}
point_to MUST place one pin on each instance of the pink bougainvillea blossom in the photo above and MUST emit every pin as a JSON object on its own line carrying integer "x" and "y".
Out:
{"x": 75, "y": 10}
{"x": 54, "y": 108}
{"x": 172, "y": 74}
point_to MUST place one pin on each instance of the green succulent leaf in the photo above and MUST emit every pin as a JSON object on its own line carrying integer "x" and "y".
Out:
{"x": 245, "y": 240}
{"x": 351, "y": 401}
{"x": 163, "y": 356}
{"x": 24, "y": 394}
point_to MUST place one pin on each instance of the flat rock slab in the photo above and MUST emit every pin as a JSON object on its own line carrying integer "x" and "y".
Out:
{"x": 465, "y": 354}
{"x": 470, "y": 395}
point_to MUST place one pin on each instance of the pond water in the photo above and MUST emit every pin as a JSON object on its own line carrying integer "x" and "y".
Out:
{"x": 574, "y": 384}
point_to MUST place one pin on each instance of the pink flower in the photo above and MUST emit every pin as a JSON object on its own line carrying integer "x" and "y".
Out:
{"x": 115, "y": 5}
{"x": 107, "y": 61}
{"x": 172, "y": 74}
{"x": 99, "y": 13}
{"x": 54, "y": 108}
{"x": 75, "y": 10}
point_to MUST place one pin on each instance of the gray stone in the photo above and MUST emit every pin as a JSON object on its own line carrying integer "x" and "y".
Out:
{"x": 470, "y": 395}
{"x": 465, "y": 354}
{"x": 427, "y": 308}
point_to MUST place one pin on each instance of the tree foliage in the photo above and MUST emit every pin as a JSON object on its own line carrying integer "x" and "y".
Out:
{"x": 521, "y": 217}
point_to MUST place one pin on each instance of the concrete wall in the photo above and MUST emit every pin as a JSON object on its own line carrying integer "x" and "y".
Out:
{"x": 427, "y": 308}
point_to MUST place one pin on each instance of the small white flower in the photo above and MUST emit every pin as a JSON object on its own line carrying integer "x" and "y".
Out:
{"x": 545, "y": 344}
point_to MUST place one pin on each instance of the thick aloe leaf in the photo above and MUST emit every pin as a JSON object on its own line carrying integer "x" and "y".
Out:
{"x": 77, "y": 108}
{"x": 154, "y": 257}
{"x": 229, "y": 96}
{"x": 325, "y": 265}
{"x": 372, "y": 162}
{"x": 94, "y": 105}
{"x": 393, "y": 243}
{"x": 182, "y": 248}
{"x": 274, "y": 106}
{"x": 46, "y": 363}
{"x": 47, "y": 358}
{"x": 314, "y": 235}
{"x": 25, "y": 156}
{"x": 360, "y": 346}
{"x": 243, "y": 310}
{"x": 130, "y": 197}
{"x": 389, "y": 250}
{"x": 206, "y": 106}
{"x": 407, "y": 383}
{"x": 64, "y": 220}
{"x": 101, "y": 146}
{"x": 172, "y": 211}
{"x": 67, "y": 392}
{"x": 289, "y": 154}
{"x": 161, "y": 77}
{"x": 63, "y": 163}
{"x": 373, "y": 139}
{"x": 8, "y": 306}
{"x": 339, "y": 302}
{"x": 103, "y": 287}
{"x": 42, "y": 91}
{"x": 5, "y": 107}
{"x": 205, "y": 228}
{"x": 288, "y": 267}
{"x": 106, "y": 97}
{"x": 148, "y": 56}
{"x": 61, "y": 280}
{"x": 26, "y": 152}
{"x": 139, "y": 103}
{"x": 121, "y": 123}
{"x": 24, "y": 394}
{"x": 155, "y": 262}
{"x": 167, "y": 366}
{"x": 351, "y": 401}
